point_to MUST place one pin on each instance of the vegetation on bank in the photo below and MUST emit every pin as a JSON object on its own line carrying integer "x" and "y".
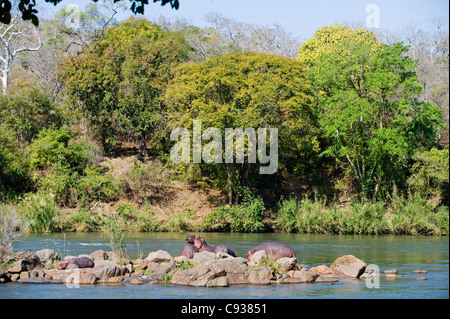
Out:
{"x": 354, "y": 125}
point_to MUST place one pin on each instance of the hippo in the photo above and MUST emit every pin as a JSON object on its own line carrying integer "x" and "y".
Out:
{"x": 202, "y": 245}
{"x": 189, "y": 250}
{"x": 79, "y": 262}
{"x": 275, "y": 249}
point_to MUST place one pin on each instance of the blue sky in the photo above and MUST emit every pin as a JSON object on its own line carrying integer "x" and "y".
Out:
{"x": 299, "y": 17}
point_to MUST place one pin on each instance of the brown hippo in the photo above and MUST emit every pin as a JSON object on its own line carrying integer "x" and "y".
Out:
{"x": 202, "y": 245}
{"x": 189, "y": 250}
{"x": 275, "y": 249}
{"x": 79, "y": 262}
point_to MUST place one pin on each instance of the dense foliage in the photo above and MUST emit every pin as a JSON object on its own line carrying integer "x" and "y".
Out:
{"x": 355, "y": 125}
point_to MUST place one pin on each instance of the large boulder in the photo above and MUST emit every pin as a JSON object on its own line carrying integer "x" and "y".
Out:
{"x": 260, "y": 276}
{"x": 323, "y": 270}
{"x": 99, "y": 255}
{"x": 158, "y": 270}
{"x": 25, "y": 261}
{"x": 203, "y": 275}
{"x": 349, "y": 266}
{"x": 104, "y": 270}
{"x": 159, "y": 256}
{"x": 287, "y": 264}
{"x": 203, "y": 257}
{"x": 4, "y": 276}
{"x": 48, "y": 255}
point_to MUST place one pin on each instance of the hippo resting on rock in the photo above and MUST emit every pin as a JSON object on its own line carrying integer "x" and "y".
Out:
{"x": 275, "y": 249}
{"x": 189, "y": 250}
{"x": 79, "y": 262}
{"x": 202, "y": 245}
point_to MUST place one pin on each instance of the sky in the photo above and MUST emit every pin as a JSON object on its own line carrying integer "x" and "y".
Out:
{"x": 299, "y": 17}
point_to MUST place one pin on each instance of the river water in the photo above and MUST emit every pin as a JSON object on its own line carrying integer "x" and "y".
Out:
{"x": 404, "y": 253}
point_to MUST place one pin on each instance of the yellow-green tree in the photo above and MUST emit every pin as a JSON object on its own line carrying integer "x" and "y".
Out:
{"x": 251, "y": 90}
{"x": 367, "y": 96}
{"x": 118, "y": 82}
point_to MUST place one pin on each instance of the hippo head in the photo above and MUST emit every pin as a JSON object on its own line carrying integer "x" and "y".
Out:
{"x": 249, "y": 255}
{"x": 199, "y": 242}
{"x": 190, "y": 239}
{"x": 63, "y": 264}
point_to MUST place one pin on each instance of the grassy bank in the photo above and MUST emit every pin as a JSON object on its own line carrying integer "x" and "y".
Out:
{"x": 415, "y": 216}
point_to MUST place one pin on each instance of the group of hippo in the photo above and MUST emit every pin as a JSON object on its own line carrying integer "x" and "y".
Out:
{"x": 197, "y": 244}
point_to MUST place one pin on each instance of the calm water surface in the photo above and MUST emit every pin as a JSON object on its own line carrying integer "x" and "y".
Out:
{"x": 405, "y": 253}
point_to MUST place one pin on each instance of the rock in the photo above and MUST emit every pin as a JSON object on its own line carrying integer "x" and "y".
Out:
{"x": 130, "y": 268}
{"x": 15, "y": 277}
{"x": 421, "y": 278}
{"x": 326, "y": 279}
{"x": 142, "y": 265}
{"x": 37, "y": 273}
{"x": 221, "y": 254}
{"x": 322, "y": 270}
{"x": 304, "y": 275}
{"x": 203, "y": 256}
{"x": 418, "y": 271}
{"x": 218, "y": 282}
{"x": 24, "y": 275}
{"x": 4, "y": 276}
{"x": 257, "y": 257}
{"x": 57, "y": 274}
{"x": 19, "y": 266}
{"x": 47, "y": 256}
{"x": 260, "y": 276}
{"x": 40, "y": 280}
{"x": 30, "y": 257}
{"x": 87, "y": 278}
{"x": 348, "y": 265}
{"x": 159, "y": 256}
{"x": 287, "y": 264}
{"x": 201, "y": 276}
{"x": 104, "y": 270}
{"x": 115, "y": 280}
{"x": 390, "y": 271}
{"x": 136, "y": 281}
{"x": 180, "y": 259}
{"x": 229, "y": 265}
{"x": 237, "y": 279}
{"x": 99, "y": 255}
{"x": 163, "y": 268}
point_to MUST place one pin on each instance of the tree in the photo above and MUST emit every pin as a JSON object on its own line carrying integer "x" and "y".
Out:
{"x": 17, "y": 37}
{"x": 66, "y": 39}
{"x": 367, "y": 94}
{"x": 118, "y": 84}
{"x": 245, "y": 91}
{"x": 29, "y": 11}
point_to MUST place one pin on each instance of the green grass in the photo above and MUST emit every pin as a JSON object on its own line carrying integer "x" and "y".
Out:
{"x": 413, "y": 216}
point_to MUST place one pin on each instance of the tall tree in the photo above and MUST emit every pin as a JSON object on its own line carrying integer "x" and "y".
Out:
{"x": 118, "y": 83}
{"x": 17, "y": 37}
{"x": 367, "y": 94}
{"x": 246, "y": 91}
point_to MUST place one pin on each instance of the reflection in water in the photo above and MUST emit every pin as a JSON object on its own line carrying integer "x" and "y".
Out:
{"x": 405, "y": 253}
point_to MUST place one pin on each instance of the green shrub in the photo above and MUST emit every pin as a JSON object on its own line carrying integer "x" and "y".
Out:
{"x": 411, "y": 216}
{"x": 245, "y": 217}
{"x": 42, "y": 212}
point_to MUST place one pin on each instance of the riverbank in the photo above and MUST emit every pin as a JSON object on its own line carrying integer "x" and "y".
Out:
{"x": 415, "y": 216}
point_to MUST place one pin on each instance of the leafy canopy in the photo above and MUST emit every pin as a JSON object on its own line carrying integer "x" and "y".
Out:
{"x": 367, "y": 95}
